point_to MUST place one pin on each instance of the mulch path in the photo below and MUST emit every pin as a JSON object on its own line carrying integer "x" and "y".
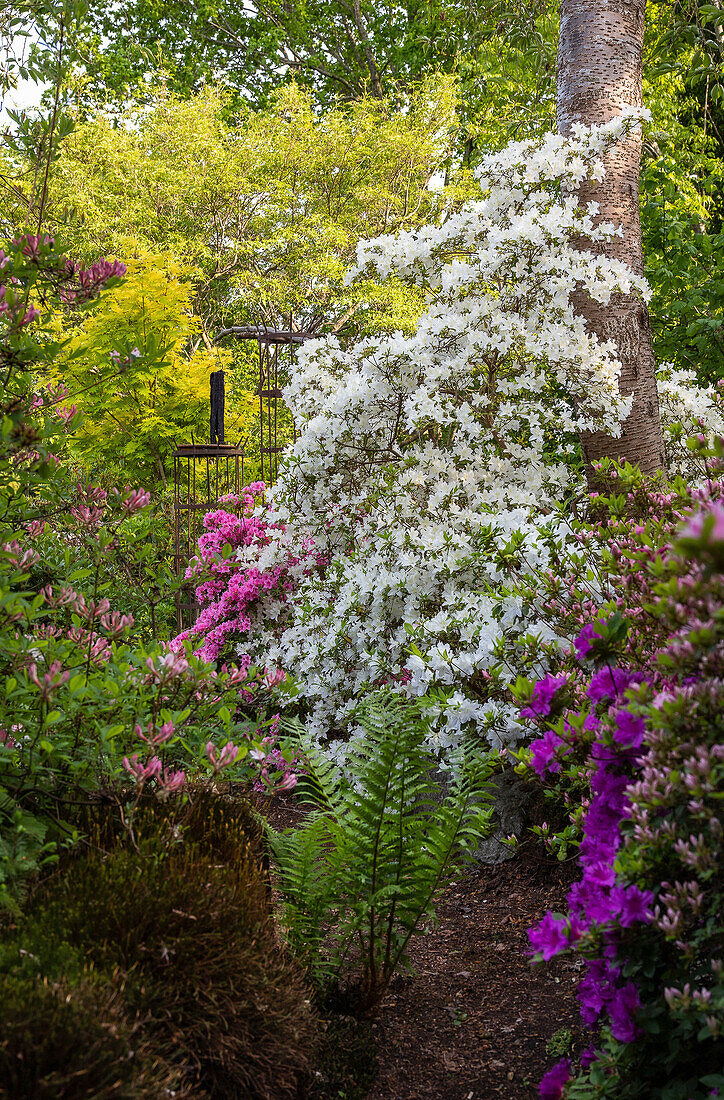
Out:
{"x": 473, "y": 1020}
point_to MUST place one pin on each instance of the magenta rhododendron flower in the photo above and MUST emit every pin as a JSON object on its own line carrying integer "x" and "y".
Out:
{"x": 588, "y": 1057}
{"x": 544, "y": 692}
{"x": 610, "y": 683}
{"x": 634, "y": 905}
{"x": 549, "y": 936}
{"x": 583, "y": 643}
{"x": 543, "y": 753}
{"x": 621, "y": 1009}
{"x": 630, "y": 728}
{"x": 553, "y": 1084}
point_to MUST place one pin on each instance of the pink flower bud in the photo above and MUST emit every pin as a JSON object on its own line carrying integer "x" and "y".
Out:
{"x": 171, "y": 782}
{"x": 135, "y": 501}
{"x": 142, "y": 772}
{"x": 287, "y": 783}
{"x": 115, "y": 623}
{"x": 222, "y": 759}
{"x": 163, "y": 733}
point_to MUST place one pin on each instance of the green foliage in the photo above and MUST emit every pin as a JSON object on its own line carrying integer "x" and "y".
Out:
{"x": 364, "y": 870}
{"x": 337, "y": 51}
{"x": 560, "y": 1043}
{"x": 131, "y": 570}
{"x": 40, "y": 41}
{"x": 139, "y": 386}
{"x": 250, "y": 220}
{"x": 79, "y": 692}
{"x": 681, "y": 180}
{"x": 268, "y": 207}
{"x": 172, "y": 923}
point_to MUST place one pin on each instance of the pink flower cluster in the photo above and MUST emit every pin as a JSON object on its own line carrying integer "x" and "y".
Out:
{"x": 31, "y": 245}
{"x": 169, "y": 782}
{"x": 48, "y": 682}
{"x": 83, "y": 283}
{"x": 231, "y": 594}
{"x": 222, "y": 758}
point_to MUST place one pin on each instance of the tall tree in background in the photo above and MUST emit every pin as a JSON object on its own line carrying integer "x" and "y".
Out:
{"x": 600, "y": 72}
{"x": 340, "y": 49}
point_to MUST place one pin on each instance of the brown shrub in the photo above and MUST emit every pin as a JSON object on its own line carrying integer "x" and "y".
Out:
{"x": 183, "y": 917}
{"x": 63, "y": 1042}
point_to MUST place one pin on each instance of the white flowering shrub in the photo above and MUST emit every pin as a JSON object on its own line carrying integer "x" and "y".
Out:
{"x": 426, "y": 464}
{"x": 687, "y": 409}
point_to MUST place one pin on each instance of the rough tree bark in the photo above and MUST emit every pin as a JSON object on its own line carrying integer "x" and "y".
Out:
{"x": 599, "y": 72}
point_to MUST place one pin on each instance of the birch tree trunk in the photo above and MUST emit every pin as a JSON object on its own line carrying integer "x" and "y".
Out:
{"x": 599, "y": 72}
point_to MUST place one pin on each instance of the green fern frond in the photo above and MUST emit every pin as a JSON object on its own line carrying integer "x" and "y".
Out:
{"x": 364, "y": 870}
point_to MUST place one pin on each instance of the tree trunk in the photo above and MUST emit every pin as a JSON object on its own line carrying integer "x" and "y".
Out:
{"x": 599, "y": 72}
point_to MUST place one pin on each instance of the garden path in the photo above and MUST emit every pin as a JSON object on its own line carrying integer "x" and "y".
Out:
{"x": 474, "y": 1021}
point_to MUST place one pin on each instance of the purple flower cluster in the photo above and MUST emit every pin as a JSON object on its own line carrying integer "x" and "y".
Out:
{"x": 583, "y": 644}
{"x": 544, "y": 694}
{"x": 598, "y": 900}
{"x": 610, "y": 683}
{"x": 552, "y": 1085}
{"x": 545, "y": 753}
{"x": 648, "y": 780}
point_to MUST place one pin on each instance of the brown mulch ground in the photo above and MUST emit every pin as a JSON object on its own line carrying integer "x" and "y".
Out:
{"x": 474, "y": 1019}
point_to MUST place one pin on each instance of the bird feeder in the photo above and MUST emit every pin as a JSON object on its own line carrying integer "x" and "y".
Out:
{"x": 203, "y": 475}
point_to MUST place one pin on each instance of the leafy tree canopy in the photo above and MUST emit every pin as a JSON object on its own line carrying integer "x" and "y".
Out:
{"x": 269, "y": 209}
{"x": 339, "y": 49}
{"x": 128, "y": 370}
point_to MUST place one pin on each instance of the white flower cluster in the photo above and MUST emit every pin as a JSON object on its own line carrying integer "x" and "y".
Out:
{"x": 419, "y": 457}
{"x": 687, "y": 409}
